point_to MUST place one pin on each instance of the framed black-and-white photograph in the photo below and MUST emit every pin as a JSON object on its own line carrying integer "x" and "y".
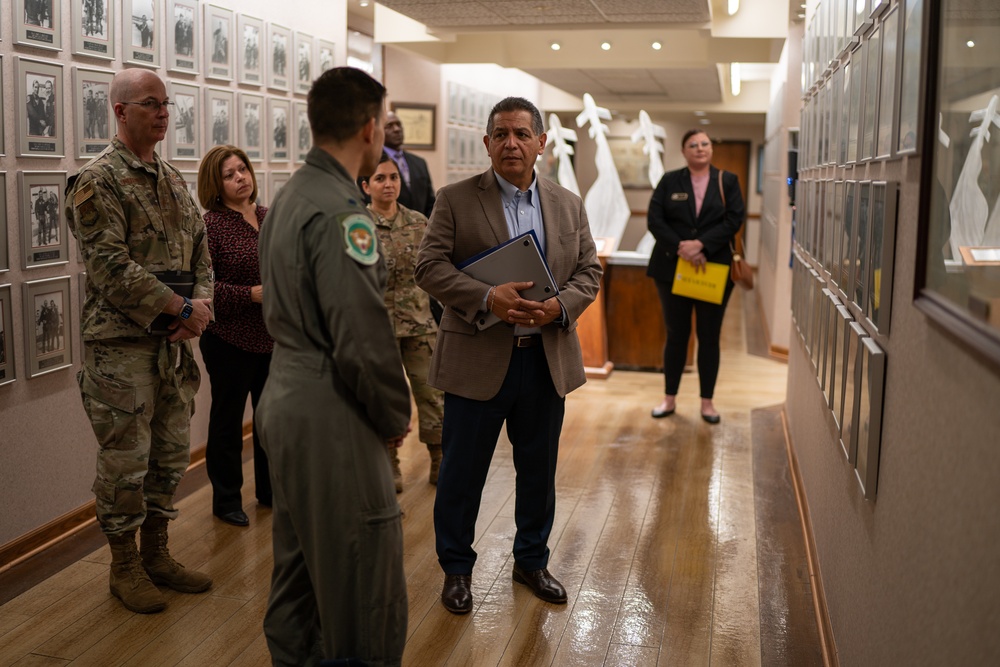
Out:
{"x": 275, "y": 181}
{"x": 823, "y": 339}
{"x": 43, "y": 227}
{"x": 219, "y": 107}
{"x": 141, "y": 32}
{"x": 860, "y": 243}
{"x": 4, "y": 255}
{"x": 7, "y": 370}
{"x": 303, "y": 62}
{"x": 852, "y": 334}
{"x": 871, "y": 377}
{"x": 261, "y": 176}
{"x": 854, "y": 115}
{"x": 183, "y": 28}
{"x": 837, "y": 248}
{"x": 251, "y": 52}
{"x": 818, "y": 319}
{"x": 219, "y": 31}
{"x": 845, "y": 97}
{"x": 38, "y": 23}
{"x": 93, "y": 28}
{"x": 833, "y": 352}
{"x": 882, "y": 253}
{"x": 303, "y": 133}
{"x": 250, "y": 117}
{"x": 48, "y": 338}
{"x": 279, "y": 44}
{"x": 844, "y": 276}
{"x": 326, "y": 58}
{"x": 184, "y": 133}
{"x": 278, "y": 112}
{"x": 3, "y": 146}
{"x": 40, "y": 115}
{"x": 884, "y": 137}
{"x": 93, "y": 118}
{"x": 909, "y": 84}
{"x": 191, "y": 182}
{"x": 873, "y": 52}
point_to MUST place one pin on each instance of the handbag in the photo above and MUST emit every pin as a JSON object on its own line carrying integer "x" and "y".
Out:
{"x": 739, "y": 270}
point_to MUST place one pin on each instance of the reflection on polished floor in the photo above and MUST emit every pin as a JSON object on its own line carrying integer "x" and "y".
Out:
{"x": 678, "y": 543}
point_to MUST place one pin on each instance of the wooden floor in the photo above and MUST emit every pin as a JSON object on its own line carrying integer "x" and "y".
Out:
{"x": 678, "y": 544}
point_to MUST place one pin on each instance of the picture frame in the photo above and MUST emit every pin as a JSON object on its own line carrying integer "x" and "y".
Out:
{"x": 837, "y": 234}
{"x": 275, "y": 181}
{"x": 843, "y": 278}
{"x": 191, "y": 183}
{"x": 860, "y": 250}
{"x": 44, "y": 237}
{"x": 183, "y": 30}
{"x": 326, "y": 55}
{"x": 818, "y": 319}
{"x": 251, "y": 115}
{"x": 4, "y": 254}
{"x": 3, "y": 145}
{"x": 184, "y": 134}
{"x": 251, "y": 55}
{"x": 93, "y": 118}
{"x": 220, "y": 105}
{"x": 93, "y": 29}
{"x": 854, "y": 114}
{"x": 218, "y": 43}
{"x": 8, "y": 371}
{"x": 141, "y": 32}
{"x": 631, "y": 162}
{"x": 843, "y": 132}
{"x": 278, "y": 116}
{"x": 48, "y": 337}
{"x": 303, "y": 62}
{"x": 279, "y": 41}
{"x": 419, "y": 122}
{"x": 303, "y": 132}
{"x": 43, "y": 28}
{"x": 884, "y": 136}
{"x": 853, "y": 333}
{"x": 873, "y": 51}
{"x": 262, "y": 176}
{"x": 885, "y": 195}
{"x": 871, "y": 384}
{"x": 40, "y": 128}
{"x": 911, "y": 30}
{"x": 833, "y": 352}
{"x": 823, "y": 344}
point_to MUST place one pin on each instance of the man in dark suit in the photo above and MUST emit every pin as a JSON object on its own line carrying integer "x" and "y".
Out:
{"x": 416, "y": 192}
{"x": 518, "y": 371}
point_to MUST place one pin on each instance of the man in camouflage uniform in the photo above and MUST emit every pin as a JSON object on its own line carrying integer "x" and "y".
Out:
{"x": 132, "y": 216}
{"x": 335, "y": 396}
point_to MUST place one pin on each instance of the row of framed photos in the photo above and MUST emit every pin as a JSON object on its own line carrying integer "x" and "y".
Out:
{"x": 266, "y": 127}
{"x": 865, "y": 105}
{"x": 209, "y": 40}
{"x": 469, "y": 107}
{"x": 834, "y": 27}
{"x": 49, "y": 344}
{"x": 850, "y": 369}
{"x": 848, "y": 229}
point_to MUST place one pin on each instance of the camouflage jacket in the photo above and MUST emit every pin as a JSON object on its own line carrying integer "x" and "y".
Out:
{"x": 409, "y": 306}
{"x": 131, "y": 219}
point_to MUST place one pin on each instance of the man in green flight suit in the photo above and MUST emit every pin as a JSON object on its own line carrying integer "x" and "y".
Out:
{"x": 335, "y": 398}
{"x": 133, "y": 218}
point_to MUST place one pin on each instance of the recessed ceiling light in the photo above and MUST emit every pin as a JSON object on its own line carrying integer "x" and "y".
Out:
{"x": 363, "y": 3}
{"x": 555, "y": 46}
{"x": 606, "y": 46}
{"x": 705, "y": 121}
{"x": 699, "y": 113}
{"x": 970, "y": 43}
{"x": 657, "y": 45}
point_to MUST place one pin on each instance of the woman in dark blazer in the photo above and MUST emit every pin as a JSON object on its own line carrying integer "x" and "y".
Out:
{"x": 690, "y": 217}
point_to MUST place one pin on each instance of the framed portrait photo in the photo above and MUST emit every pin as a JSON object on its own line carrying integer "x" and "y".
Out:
{"x": 140, "y": 28}
{"x": 48, "y": 341}
{"x": 218, "y": 43}
{"x": 40, "y": 129}
{"x": 279, "y": 42}
{"x": 7, "y": 374}
{"x": 275, "y": 181}
{"x": 183, "y": 136}
{"x": 303, "y": 133}
{"x": 191, "y": 182}
{"x": 278, "y": 112}
{"x": 93, "y": 28}
{"x": 43, "y": 227}
{"x": 250, "y": 55}
{"x": 303, "y": 62}
{"x": 183, "y": 25}
{"x": 261, "y": 177}
{"x": 38, "y": 23}
{"x": 870, "y": 379}
{"x": 93, "y": 119}
{"x": 419, "y": 121}
{"x": 4, "y": 256}
{"x": 219, "y": 106}
{"x": 3, "y": 146}
{"x": 325, "y": 58}
{"x": 250, "y": 116}
{"x": 909, "y": 85}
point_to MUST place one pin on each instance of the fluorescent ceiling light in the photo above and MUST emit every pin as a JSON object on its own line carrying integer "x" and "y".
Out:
{"x": 699, "y": 113}
{"x": 734, "y": 78}
{"x": 734, "y": 6}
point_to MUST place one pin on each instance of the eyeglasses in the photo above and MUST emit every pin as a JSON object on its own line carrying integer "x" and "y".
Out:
{"x": 153, "y": 105}
{"x": 702, "y": 144}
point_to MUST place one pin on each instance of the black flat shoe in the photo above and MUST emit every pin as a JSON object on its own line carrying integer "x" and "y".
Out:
{"x": 235, "y": 518}
{"x": 712, "y": 419}
{"x": 660, "y": 414}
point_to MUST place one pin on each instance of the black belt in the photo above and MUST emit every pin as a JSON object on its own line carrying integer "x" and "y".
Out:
{"x": 528, "y": 341}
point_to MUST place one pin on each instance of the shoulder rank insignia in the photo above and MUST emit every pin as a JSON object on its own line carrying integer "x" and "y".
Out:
{"x": 360, "y": 242}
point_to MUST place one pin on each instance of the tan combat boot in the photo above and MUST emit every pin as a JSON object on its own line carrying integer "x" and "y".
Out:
{"x": 397, "y": 474}
{"x": 435, "y": 452}
{"x": 159, "y": 565}
{"x": 129, "y": 581}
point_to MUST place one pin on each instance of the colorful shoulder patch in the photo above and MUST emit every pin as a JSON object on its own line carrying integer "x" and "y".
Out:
{"x": 360, "y": 241}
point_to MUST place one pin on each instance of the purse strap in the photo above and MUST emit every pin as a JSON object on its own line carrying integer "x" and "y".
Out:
{"x": 736, "y": 245}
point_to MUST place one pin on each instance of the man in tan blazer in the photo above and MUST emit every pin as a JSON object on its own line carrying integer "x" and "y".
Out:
{"x": 517, "y": 371}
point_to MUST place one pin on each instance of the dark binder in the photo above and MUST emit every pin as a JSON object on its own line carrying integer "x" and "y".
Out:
{"x": 182, "y": 283}
{"x": 518, "y": 260}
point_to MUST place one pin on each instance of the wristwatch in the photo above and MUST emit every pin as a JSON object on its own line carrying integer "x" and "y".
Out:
{"x": 186, "y": 309}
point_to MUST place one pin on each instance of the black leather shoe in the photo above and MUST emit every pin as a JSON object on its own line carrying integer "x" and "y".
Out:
{"x": 456, "y": 596}
{"x": 712, "y": 419}
{"x": 542, "y": 584}
{"x": 235, "y": 518}
{"x": 660, "y": 414}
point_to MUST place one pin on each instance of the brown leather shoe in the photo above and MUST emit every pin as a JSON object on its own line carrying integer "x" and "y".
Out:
{"x": 542, "y": 584}
{"x": 456, "y": 596}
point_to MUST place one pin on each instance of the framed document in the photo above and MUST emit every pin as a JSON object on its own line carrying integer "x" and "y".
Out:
{"x": 278, "y": 112}
{"x": 93, "y": 120}
{"x": 7, "y": 369}
{"x": 218, "y": 43}
{"x": 48, "y": 339}
{"x": 140, "y": 32}
{"x": 43, "y": 226}
{"x": 94, "y": 29}
{"x": 38, "y": 23}
{"x": 419, "y": 121}
{"x": 303, "y": 62}
{"x": 40, "y": 129}
{"x": 250, "y": 56}
{"x": 219, "y": 105}
{"x": 251, "y": 114}
{"x": 279, "y": 39}
{"x": 183, "y": 24}
{"x": 183, "y": 137}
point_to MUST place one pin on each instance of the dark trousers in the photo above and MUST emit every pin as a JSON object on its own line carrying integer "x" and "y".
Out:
{"x": 528, "y": 402}
{"x": 234, "y": 374}
{"x": 708, "y": 323}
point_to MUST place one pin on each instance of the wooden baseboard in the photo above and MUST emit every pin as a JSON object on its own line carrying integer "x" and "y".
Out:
{"x": 778, "y": 352}
{"x": 774, "y": 351}
{"x": 599, "y": 372}
{"x": 825, "y": 627}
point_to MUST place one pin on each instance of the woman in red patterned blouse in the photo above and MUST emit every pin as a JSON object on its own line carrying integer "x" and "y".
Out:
{"x": 236, "y": 348}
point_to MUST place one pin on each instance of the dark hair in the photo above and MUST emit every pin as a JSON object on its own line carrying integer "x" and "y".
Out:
{"x": 691, "y": 133}
{"x": 385, "y": 158}
{"x": 516, "y": 104}
{"x": 210, "y": 176}
{"x": 341, "y": 101}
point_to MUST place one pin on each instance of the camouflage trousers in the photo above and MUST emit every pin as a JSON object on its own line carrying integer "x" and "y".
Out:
{"x": 138, "y": 395}
{"x": 416, "y": 352}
